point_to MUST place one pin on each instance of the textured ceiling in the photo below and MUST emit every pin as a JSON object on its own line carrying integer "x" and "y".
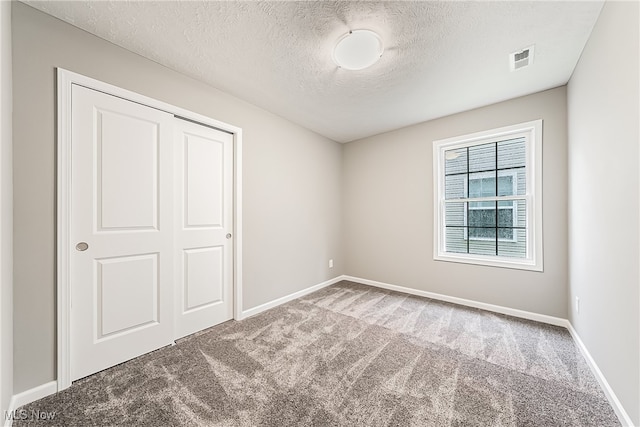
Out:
{"x": 440, "y": 57}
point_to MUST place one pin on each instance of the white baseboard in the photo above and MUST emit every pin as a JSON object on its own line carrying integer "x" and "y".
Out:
{"x": 49, "y": 388}
{"x": 29, "y": 396}
{"x": 276, "y": 302}
{"x": 557, "y": 321}
{"x": 606, "y": 388}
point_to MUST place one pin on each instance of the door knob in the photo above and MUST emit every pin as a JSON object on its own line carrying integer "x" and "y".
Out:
{"x": 228, "y": 235}
{"x": 82, "y": 246}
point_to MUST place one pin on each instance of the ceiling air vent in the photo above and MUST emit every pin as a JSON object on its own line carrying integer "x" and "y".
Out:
{"x": 521, "y": 59}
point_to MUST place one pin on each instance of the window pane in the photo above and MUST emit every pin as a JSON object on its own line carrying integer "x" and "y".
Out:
{"x": 454, "y": 186}
{"x": 506, "y": 183}
{"x": 454, "y": 213}
{"x": 512, "y": 153}
{"x": 520, "y": 212}
{"x": 515, "y": 247}
{"x": 521, "y": 181}
{"x": 456, "y": 241}
{"x": 482, "y": 217}
{"x": 505, "y": 233}
{"x": 482, "y": 157}
{"x": 505, "y": 214}
{"x": 483, "y": 247}
{"x": 482, "y": 184}
{"x": 512, "y": 182}
{"x": 476, "y": 233}
{"x": 455, "y": 161}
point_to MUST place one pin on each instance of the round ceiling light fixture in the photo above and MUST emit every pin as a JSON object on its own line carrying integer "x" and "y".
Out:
{"x": 357, "y": 50}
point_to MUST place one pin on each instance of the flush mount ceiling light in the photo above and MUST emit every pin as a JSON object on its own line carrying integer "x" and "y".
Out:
{"x": 357, "y": 50}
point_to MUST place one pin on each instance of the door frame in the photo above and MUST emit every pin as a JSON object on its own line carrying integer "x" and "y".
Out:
{"x": 65, "y": 79}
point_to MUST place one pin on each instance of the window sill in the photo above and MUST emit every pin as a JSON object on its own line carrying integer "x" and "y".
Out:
{"x": 491, "y": 261}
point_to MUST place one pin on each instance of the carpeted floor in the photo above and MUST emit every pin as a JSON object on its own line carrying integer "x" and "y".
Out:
{"x": 348, "y": 355}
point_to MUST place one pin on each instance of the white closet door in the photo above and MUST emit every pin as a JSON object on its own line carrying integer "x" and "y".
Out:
{"x": 204, "y": 213}
{"x": 122, "y": 225}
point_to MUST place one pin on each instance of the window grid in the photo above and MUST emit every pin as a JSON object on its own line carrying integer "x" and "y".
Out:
{"x": 467, "y": 200}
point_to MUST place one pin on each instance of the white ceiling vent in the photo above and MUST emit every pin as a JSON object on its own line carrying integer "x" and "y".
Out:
{"x": 522, "y": 58}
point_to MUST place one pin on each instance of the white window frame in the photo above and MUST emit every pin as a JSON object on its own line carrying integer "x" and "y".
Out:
{"x": 514, "y": 182}
{"x": 532, "y": 132}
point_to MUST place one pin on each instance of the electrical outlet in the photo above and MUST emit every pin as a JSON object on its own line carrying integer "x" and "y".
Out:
{"x": 578, "y": 305}
{"x": 330, "y": 263}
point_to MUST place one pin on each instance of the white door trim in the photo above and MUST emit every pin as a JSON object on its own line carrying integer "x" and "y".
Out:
{"x": 65, "y": 79}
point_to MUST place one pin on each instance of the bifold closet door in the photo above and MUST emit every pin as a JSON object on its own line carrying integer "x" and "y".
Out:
{"x": 204, "y": 227}
{"x": 122, "y": 226}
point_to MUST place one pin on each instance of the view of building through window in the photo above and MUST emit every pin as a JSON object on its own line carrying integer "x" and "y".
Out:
{"x": 485, "y": 207}
{"x": 482, "y": 215}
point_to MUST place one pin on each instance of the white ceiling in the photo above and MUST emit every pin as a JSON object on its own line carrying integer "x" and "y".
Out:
{"x": 440, "y": 57}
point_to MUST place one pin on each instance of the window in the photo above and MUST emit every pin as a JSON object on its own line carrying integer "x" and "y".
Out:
{"x": 488, "y": 205}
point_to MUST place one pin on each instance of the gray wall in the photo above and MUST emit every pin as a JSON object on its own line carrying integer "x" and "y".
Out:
{"x": 6, "y": 204}
{"x": 296, "y": 208}
{"x": 604, "y": 191}
{"x": 388, "y": 209}
{"x": 292, "y": 193}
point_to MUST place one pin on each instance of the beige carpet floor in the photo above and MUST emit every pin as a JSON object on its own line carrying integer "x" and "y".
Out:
{"x": 348, "y": 355}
